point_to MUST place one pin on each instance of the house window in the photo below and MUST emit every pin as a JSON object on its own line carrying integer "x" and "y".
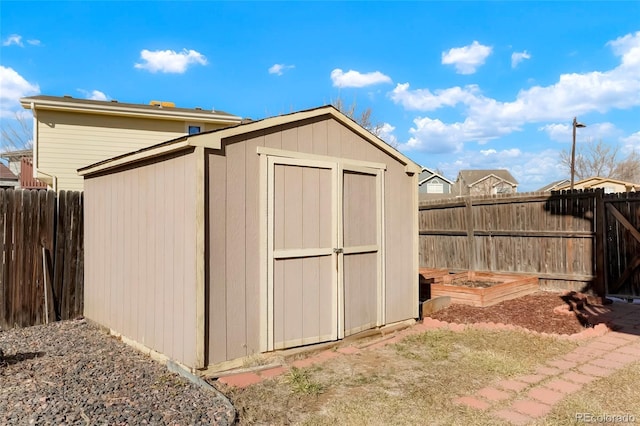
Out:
{"x": 194, "y": 129}
{"x": 609, "y": 190}
{"x": 435, "y": 188}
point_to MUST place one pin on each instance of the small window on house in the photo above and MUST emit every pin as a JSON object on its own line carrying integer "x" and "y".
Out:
{"x": 194, "y": 130}
{"x": 435, "y": 188}
{"x": 609, "y": 190}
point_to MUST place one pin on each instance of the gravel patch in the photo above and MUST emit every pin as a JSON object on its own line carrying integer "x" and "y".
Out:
{"x": 73, "y": 372}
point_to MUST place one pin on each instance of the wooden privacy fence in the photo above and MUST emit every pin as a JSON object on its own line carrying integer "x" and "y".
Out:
{"x": 41, "y": 242}
{"x": 584, "y": 241}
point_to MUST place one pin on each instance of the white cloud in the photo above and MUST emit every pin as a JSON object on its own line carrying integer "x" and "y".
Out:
{"x": 425, "y": 100}
{"x": 279, "y": 69}
{"x": 13, "y": 87}
{"x": 631, "y": 142}
{"x": 94, "y": 95}
{"x": 434, "y": 136}
{"x": 487, "y": 118}
{"x": 13, "y": 39}
{"x": 517, "y": 57}
{"x": 557, "y": 131}
{"x": 467, "y": 59}
{"x": 386, "y": 134}
{"x": 563, "y": 132}
{"x": 169, "y": 61}
{"x": 34, "y": 42}
{"x": 356, "y": 79}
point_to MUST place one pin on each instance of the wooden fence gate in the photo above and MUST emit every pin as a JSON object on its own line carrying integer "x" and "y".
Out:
{"x": 41, "y": 243}
{"x": 622, "y": 248}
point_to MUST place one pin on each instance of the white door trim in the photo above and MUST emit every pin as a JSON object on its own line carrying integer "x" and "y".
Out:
{"x": 273, "y": 254}
{"x": 269, "y": 157}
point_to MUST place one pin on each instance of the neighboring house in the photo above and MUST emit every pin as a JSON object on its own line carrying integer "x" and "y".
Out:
{"x": 21, "y": 164}
{"x": 14, "y": 158}
{"x": 71, "y": 133}
{"x": 7, "y": 178}
{"x": 485, "y": 182}
{"x": 553, "y": 186}
{"x": 430, "y": 182}
{"x": 609, "y": 185}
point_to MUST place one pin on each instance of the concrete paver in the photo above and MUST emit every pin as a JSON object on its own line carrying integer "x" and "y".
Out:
{"x": 546, "y": 395}
{"x": 472, "y": 402}
{"x": 513, "y": 417}
{"x": 512, "y": 385}
{"x": 563, "y": 386}
{"x": 493, "y": 394}
{"x": 532, "y": 408}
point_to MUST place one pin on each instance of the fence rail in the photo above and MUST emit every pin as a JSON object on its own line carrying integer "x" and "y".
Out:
{"x": 41, "y": 242}
{"x": 552, "y": 236}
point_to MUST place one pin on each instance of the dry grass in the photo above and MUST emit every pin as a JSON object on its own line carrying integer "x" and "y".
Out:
{"x": 413, "y": 382}
{"x": 618, "y": 394}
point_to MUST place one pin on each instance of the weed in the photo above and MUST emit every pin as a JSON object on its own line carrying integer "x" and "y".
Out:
{"x": 300, "y": 382}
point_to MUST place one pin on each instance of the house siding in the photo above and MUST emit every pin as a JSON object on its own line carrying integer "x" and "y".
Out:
{"x": 68, "y": 141}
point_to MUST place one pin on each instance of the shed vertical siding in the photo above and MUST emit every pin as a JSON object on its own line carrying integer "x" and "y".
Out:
{"x": 234, "y": 224}
{"x": 140, "y": 268}
{"x": 217, "y": 271}
{"x": 399, "y": 239}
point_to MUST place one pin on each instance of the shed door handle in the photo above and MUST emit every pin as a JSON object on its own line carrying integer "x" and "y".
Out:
{"x": 338, "y": 250}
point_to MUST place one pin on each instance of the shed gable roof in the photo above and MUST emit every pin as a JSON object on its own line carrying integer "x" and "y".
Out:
{"x": 214, "y": 138}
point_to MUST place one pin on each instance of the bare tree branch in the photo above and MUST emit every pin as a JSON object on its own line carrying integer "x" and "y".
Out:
{"x": 363, "y": 118}
{"x": 600, "y": 159}
{"x": 16, "y": 134}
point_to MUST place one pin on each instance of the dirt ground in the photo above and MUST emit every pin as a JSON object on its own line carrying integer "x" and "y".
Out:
{"x": 535, "y": 312}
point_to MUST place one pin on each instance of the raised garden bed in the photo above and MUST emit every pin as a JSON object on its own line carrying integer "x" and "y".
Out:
{"x": 483, "y": 288}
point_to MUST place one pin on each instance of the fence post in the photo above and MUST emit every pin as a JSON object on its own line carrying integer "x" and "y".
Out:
{"x": 600, "y": 281}
{"x": 471, "y": 239}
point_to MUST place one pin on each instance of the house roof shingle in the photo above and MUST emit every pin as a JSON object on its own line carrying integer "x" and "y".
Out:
{"x": 473, "y": 176}
{"x": 553, "y": 185}
{"x": 113, "y": 106}
{"x": 6, "y": 174}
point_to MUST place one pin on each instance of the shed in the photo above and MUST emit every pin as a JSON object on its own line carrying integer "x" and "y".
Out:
{"x": 288, "y": 231}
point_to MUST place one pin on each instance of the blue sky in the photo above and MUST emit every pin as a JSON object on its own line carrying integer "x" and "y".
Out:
{"x": 454, "y": 85}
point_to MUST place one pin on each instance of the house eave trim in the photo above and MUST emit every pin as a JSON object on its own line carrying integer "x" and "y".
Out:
{"x": 119, "y": 110}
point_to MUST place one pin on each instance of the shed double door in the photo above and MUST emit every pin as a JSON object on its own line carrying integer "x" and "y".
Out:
{"x": 324, "y": 251}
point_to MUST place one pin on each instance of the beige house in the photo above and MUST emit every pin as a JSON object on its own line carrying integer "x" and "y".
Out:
{"x": 485, "y": 182}
{"x": 284, "y": 232}
{"x": 609, "y": 185}
{"x": 69, "y": 133}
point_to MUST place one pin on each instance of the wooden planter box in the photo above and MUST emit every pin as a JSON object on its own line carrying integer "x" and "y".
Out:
{"x": 506, "y": 287}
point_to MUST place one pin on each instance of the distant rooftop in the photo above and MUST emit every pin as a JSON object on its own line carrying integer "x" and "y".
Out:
{"x": 154, "y": 108}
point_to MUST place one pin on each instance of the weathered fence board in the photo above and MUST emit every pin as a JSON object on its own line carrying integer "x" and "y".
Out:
{"x": 40, "y": 238}
{"x": 585, "y": 241}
